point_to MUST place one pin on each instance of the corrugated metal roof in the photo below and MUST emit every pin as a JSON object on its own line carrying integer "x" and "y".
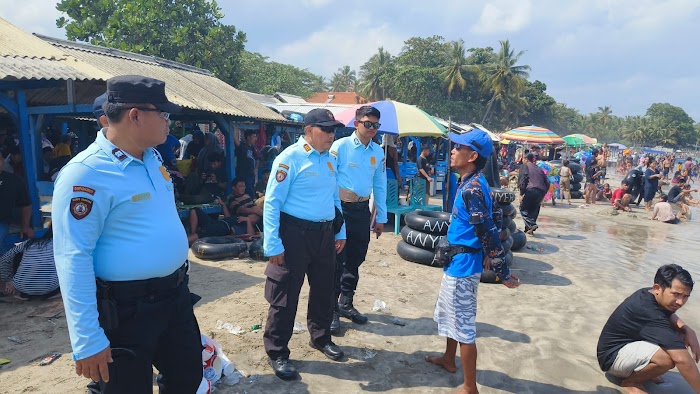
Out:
{"x": 14, "y": 42}
{"x": 187, "y": 86}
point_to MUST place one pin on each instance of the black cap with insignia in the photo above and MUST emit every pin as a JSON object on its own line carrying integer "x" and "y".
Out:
{"x": 137, "y": 89}
{"x": 321, "y": 117}
{"x": 97, "y": 105}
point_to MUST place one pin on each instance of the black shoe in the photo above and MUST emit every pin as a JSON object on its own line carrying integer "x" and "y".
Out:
{"x": 335, "y": 324}
{"x": 284, "y": 369}
{"x": 331, "y": 350}
{"x": 348, "y": 311}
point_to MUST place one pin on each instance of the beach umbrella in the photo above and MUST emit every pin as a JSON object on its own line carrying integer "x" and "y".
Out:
{"x": 533, "y": 135}
{"x": 399, "y": 118}
{"x": 579, "y": 140}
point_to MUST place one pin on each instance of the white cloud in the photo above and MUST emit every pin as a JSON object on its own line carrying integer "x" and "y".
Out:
{"x": 338, "y": 44}
{"x": 33, "y": 16}
{"x": 504, "y": 16}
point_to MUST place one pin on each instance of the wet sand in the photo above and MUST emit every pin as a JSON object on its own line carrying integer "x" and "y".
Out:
{"x": 539, "y": 338}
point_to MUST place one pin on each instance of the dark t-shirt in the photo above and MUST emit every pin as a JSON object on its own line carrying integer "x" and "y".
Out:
{"x": 13, "y": 194}
{"x": 245, "y": 160}
{"x": 422, "y": 162}
{"x": 651, "y": 184}
{"x": 638, "y": 318}
{"x": 673, "y": 193}
{"x": 591, "y": 170}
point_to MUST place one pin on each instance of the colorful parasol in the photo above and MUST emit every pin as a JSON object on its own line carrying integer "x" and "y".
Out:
{"x": 399, "y": 118}
{"x": 579, "y": 140}
{"x": 533, "y": 135}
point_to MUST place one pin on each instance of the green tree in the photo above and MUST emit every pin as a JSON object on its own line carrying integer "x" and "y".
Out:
{"x": 539, "y": 104}
{"x": 430, "y": 52}
{"x": 374, "y": 74}
{"x": 674, "y": 118}
{"x": 453, "y": 73}
{"x": 258, "y": 75}
{"x": 344, "y": 80}
{"x": 187, "y": 31}
{"x": 504, "y": 79}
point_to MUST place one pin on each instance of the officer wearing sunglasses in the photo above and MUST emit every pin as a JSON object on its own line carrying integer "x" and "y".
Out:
{"x": 361, "y": 172}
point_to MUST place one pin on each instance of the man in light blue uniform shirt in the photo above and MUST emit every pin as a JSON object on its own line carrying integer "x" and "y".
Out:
{"x": 303, "y": 234}
{"x": 121, "y": 252}
{"x": 361, "y": 171}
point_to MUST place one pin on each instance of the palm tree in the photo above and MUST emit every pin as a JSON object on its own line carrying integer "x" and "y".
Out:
{"x": 452, "y": 74}
{"x": 344, "y": 80}
{"x": 504, "y": 79}
{"x": 373, "y": 74}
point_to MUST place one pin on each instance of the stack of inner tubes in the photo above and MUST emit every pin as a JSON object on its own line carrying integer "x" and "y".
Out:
{"x": 218, "y": 248}
{"x": 511, "y": 237}
{"x": 421, "y": 234}
{"x": 576, "y": 179}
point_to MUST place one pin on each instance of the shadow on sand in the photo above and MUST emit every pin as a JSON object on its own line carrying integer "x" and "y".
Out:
{"x": 532, "y": 272}
{"x": 212, "y": 283}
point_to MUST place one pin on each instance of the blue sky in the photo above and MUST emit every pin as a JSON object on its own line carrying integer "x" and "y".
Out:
{"x": 626, "y": 54}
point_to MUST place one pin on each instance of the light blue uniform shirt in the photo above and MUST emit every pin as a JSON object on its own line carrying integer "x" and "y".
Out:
{"x": 303, "y": 184}
{"x": 361, "y": 170}
{"x": 114, "y": 217}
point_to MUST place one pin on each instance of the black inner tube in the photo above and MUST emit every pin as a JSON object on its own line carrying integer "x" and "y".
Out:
{"x": 420, "y": 239}
{"x": 430, "y": 222}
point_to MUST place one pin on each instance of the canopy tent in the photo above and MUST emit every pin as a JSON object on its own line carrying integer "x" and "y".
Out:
{"x": 617, "y": 146}
{"x": 533, "y": 135}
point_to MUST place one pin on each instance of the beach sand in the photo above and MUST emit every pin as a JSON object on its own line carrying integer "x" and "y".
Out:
{"x": 539, "y": 338}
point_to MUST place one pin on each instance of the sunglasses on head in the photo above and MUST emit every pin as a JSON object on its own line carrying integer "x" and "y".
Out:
{"x": 370, "y": 125}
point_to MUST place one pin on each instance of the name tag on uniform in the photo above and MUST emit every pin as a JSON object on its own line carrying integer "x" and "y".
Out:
{"x": 351, "y": 164}
{"x": 310, "y": 173}
{"x": 140, "y": 197}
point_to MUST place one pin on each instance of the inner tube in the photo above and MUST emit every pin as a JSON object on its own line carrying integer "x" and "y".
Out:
{"x": 502, "y": 196}
{"x": 578, "y": 177}
{"x": 505, "y": 233}
{"x": 218, "y": 248}
{"x": 576, "y": 194}
{"x": 507, "y": 244}
{"x": 507, "y": 220}
{"x": 508, "y": 259}
{"x": 420, "y": 239}
{"x": 575, "y": 167}
{"x": 256, "y": 250}
{"x": 489, "y": 277}
{"x": 575, "y": 186}
{"x": 416, "y": 254}
{"x": 519, "y": 240}
{"x": 431, "y": 222}
{"x": 512, "y": 227}
{"x": 508, "y": 209}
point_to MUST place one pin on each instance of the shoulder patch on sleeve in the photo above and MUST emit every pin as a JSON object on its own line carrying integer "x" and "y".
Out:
{"x": 334, "y": 153}
{"x": 281, "y": 175}
{"x": 84, "y": 189}
{"x": 80, "y": 207}
{"x": 286, "y": 167}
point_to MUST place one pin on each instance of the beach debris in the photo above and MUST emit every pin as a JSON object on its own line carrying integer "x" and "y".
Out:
{"x": 369, "y": 354}
{"x": 236, "y": 330}
{"x": 254, "y": 379}
{"x": 4, "y": 361}
{"x": 49, "y": 359}
{"x": 255, "y": 327}
{"x": 535, "y": 248}
{"x": 614, "y": 212}
{"x": 298, "y": 328}
{"x": 18, "y": 340}
{"x": 403, "y": 300}
{"x": 402, "y": 274}
{"x": 232, "y": 379}
{"x": 398, "y": 322}
{"x": 379, "y": 306}
{"x": 383, "y": 264}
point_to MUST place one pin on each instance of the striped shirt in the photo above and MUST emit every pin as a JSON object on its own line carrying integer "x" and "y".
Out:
{"x": 36, "y": 274}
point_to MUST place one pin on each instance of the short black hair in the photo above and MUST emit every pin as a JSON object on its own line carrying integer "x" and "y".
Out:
{"x": 367, "y": 110}
{"x": 215, "y": 156}
{"x": 594, "y": 152}
{"x": 480, "y": 162}
{"x": 249, "y": 132}
{"x": 663, "y": 198}
{"x": 530, "y": 157}
{"x": 625, "y": 182}
{"x": 46, "y": 149}
{"x": 667, "y": 273}
{"x": 115, "y": 111}
{"x": 565, "y": 162}
{"x": 237, "y": 180}
{"x": 424, "y": 147}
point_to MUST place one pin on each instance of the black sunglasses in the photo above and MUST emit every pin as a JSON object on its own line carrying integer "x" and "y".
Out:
{"x": 370, "y": 125}
{"x": 462, "y": 146}
{"x": 327, "y": 129}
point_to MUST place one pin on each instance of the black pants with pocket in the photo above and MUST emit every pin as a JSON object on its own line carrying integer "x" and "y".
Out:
{"x": 530, "y": 207}
{"x": 309, "y": 253}
{"x": 159, "y": 330}
{"x": 357, "y": 222}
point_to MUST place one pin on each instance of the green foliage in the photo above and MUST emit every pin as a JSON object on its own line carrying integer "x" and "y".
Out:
{"x": 187, "y": 31}
{"x": 258, "y": 75}
{"x": 345, "y": 80}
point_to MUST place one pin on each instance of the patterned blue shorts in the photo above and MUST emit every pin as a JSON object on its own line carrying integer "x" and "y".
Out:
{"x": 455, "y": 309}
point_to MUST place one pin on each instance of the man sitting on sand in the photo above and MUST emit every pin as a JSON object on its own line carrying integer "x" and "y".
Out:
{"x": 202, "y": 225}
{"x": 644, "y": 338}
{"x": 620, "y": 199}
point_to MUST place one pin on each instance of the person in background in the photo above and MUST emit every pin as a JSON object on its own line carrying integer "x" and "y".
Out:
{"x": 168, "y": 151}
{"x": 425, "y": 170}
{"x": 620, "y": 198}
{"x": 533, "y": 185}
{"x": 644, "y": 338}
{"x": 246, "y": 164}
{"x": 663, "y": 211}
{"x": 195, "y": 146}
{"x": 211, "y": 145}
{"x": 214, "y": 175}
{"x": 241, "y": 204}
{"x": 63, "y": 148}
{"x": 260, "y": 189}
{"x": 593, "y": 173}
{"x": 203, "y": 225}
{"x": 565, "y": 181}
{"x": 392, "y": 158}
{"x": 651, "y": 183}
{"x": 46, "y": 158}
{"x": 13, "y": 195}
{"x": 35, "y": 275}
{"x": 604, "y": 194}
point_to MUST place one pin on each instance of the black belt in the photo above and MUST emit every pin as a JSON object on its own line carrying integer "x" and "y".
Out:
{"x": 306, "y": 224}
{"x": 355, "y": 206}
{"x": 457, "y": 249}
{"x": 145, "y": 287}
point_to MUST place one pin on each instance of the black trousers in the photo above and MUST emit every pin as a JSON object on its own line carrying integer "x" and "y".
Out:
{"x": 530, "y": 207}
{"x": 357, "y": 221}
{"x": 310, "y": 253}
{"x": 158, "y": 330}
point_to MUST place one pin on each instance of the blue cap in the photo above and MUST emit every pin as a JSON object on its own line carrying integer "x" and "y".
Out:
{"x": 97, "y": 105}
{"x": 476, "y": 139}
